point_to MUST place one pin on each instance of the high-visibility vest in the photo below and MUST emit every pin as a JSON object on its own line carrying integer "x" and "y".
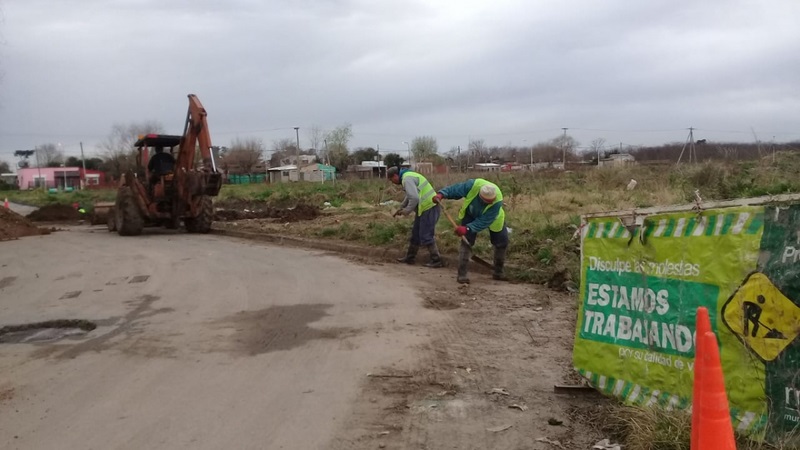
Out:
{"x": 426, "y": 192}
{"x": 498, "y": 223}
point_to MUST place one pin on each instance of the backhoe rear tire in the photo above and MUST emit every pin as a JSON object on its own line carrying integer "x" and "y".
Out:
{"x": 128, "y": 220}
{"x": 111, "y": 220}
{"x": 201, "y": 223}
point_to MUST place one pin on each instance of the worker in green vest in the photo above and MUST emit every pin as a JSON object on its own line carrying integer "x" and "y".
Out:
{"x": 482, "y": 209}
{"x": 418, "y": 200}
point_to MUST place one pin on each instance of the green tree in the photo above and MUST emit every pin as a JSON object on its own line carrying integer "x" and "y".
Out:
{"x": 337, "y": 140}
{"x": 424, "y": 148}
{"x": 393, "y": 159}
{"x": 365, "y": 154}
{"x": 4, "y": 167}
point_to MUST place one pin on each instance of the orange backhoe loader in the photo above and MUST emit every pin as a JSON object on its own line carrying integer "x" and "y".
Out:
{"x": 169, "y": 187}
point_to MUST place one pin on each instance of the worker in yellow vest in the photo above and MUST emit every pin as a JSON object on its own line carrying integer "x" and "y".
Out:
{"x": 482, "y": 209}
{"x": 418, "y": 200}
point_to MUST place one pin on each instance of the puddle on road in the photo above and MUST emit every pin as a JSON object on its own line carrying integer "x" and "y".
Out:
{"x": 7, "y": 281}
{"x": 280, "y": 328}
{"x": 51, "y": 330}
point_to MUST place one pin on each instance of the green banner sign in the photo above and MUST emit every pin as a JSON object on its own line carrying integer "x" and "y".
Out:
{"x": 640, "y": 289}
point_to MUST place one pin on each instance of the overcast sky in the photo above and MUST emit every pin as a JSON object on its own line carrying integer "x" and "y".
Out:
{"x": 507, "y": 71}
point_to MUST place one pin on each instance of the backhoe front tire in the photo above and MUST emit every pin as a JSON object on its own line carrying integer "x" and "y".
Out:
{"x": 205, "y": 217}
{"x": 128, "y": 220}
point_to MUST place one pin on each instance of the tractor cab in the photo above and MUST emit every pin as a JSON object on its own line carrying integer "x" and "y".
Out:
{"x": 156, "y": 162}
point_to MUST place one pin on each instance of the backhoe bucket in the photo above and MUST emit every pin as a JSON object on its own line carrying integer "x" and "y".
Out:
{"x": 100, "y": 214}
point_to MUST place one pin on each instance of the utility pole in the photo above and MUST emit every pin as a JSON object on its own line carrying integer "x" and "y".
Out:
{"x": 690, "y": 142}
{"x": 83, "y": 159}
{"x": 39, "y": 167}
{"x": 408, "y": 148}
{"x": 564, "y": 149}
{"x": 297, "y": 134}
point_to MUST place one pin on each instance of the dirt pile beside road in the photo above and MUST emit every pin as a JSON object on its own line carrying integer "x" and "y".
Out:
{"x": 13, "y": 226}
{"x": 55, "y": 213}
{"x": 240, "y": 210}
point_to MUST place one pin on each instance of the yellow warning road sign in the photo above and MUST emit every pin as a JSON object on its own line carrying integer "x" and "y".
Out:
{"x": 763, "y": 318}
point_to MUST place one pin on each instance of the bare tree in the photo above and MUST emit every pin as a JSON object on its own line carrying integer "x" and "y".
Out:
{"x": 49, "y": 155}
{"x": 457, "y": 158}
{"x": 316, "y": 136}
{"x": 117, "y": 149}
{"x": 424, "y": 148}
{"x": 546, "y": 152}
{"x": 282, "y": 152}
{"x": 244, "y": 155}
{"x": 567, "y": 145}
{"x": 477, "y": 151}
{"x": 596, "y": 146}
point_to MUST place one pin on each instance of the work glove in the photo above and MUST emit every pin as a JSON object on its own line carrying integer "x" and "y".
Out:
{"x": 437, "y": 198}
{"x": 462, "y": 230}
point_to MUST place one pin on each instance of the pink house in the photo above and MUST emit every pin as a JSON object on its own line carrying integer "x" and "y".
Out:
{"x": 58, "y": 177}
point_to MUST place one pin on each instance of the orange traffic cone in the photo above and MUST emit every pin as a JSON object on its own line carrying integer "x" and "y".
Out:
{"x": 5, "y": 204}
{"x": 702, "y": 326}
{"x": 714, "y": 429}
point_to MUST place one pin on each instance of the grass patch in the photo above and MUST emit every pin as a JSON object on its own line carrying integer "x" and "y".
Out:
{"x": 543, "y": 208}
{"x": 384, "y": 233}
{"x": 656, "y": 428}
{"x": 85, "y": 198}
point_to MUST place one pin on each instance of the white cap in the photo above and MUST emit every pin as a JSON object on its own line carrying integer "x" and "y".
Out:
{"x": 488, "y": 193}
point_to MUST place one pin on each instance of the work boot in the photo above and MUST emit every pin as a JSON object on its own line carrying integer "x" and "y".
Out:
{"x": 499, "y": 262}
{"x": 411, "y": 255}
{"x": 463, "y": 260}
{"x": 436, "y": 259}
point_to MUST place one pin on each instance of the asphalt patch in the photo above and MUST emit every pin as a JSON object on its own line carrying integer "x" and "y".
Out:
{"x": 7, "y": 281}
{"x": 280, "y": 328}
{"x": 50, "y": 330}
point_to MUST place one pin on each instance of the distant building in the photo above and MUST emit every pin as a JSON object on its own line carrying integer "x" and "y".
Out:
{"x": 547, "y": 165}
{"x": 283, "y": 174}
{"x": 368, "y": 169}
{"x": 617, "y": 159}
{"x": 487, "y": 167}
{"x": 303, "y": 160}
{"x": 512, "y": 167}
{"x": 9, "y": 178}
{"x": 424, "y": 168}
{"x": 58, "y": 177}
{"x": 318, "y": 173}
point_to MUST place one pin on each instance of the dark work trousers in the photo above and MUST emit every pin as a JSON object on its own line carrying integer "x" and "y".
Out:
{"x": 498, "y": 239}
{"x": 424, "y": 229}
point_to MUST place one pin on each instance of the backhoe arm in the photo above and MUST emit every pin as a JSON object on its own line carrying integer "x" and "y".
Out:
{"x": 195, "y": 133}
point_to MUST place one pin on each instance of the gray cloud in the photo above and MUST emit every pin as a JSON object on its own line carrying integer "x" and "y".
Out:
{"x": 506, "y": 71}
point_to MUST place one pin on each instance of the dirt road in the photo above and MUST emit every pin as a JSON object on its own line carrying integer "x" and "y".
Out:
{"x": 23, "y": 210}
{"x": 210, "y": 342}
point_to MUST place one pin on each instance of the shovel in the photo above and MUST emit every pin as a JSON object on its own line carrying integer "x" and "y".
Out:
{"x": 464, "y": 240}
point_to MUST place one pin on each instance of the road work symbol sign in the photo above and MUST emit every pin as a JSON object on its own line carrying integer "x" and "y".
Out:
{"x": 761, "y": 316}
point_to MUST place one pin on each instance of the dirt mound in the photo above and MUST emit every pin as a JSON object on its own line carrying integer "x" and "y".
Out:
{"x": 239, "y": 210}
{"x": 13, "y": 226}
{"x": 55, "y": 213}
